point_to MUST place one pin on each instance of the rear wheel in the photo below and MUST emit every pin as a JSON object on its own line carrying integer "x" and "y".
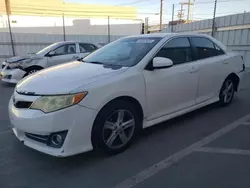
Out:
{"x": 115, "y": 127}
{"x": 227, "y": 92}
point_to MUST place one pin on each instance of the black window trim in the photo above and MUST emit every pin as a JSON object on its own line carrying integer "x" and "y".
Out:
{"x": 149, "y": 65}
{"x": 195, "y": 51}
{"x": 59, "y": 47}
{"x": 215, "y": 45}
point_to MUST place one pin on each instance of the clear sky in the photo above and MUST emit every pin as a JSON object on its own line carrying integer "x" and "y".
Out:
{"x": 202, "y": 9}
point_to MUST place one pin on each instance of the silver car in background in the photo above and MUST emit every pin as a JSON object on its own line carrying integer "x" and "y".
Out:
{"x": 16, "y": 68}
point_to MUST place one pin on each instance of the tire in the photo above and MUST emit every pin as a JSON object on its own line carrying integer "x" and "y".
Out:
{"x": 32, "y": 70}
{"x": 227, "y": 92}
{"x": 109, "y": 133}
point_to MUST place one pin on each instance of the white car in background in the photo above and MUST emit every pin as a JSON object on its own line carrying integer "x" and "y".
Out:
{"x": 129, "y": 84}
{"x": 15, "y": 68}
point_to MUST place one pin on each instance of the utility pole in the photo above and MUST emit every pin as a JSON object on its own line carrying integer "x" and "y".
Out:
{"x": 189, "y": 3}
{"x": 213, "y": 27}
{"x": 146, "y": 26}
{"x": 108, "y": 29}
{"x": 161, "y": 5}
{"x": 180, "y": 13}
{"x": 188, "y": 13}
{"x": 64, "y": 33}
{"x": 172, "y": 26}
{"x": 8, "y": 12}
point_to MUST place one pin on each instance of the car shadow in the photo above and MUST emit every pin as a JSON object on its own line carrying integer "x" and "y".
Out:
{"x": 7, "y": 85}
{"x": 177, "y": 121}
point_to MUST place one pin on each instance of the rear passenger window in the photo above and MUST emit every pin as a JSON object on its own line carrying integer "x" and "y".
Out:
{"x": 204, "y": 47}
{"x": 86, "y": 47}
{"x": 178, "y": 50}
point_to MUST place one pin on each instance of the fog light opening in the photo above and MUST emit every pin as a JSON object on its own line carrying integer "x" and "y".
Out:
{"x": 57, "y": 139}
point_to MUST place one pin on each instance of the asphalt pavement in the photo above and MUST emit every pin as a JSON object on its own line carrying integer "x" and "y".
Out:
{"x": 209, "y": 147}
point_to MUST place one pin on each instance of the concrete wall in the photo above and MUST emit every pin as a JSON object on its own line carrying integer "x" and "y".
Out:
{"x": 232, "y": 30}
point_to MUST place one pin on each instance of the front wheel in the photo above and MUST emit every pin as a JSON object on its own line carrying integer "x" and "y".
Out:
{"x": 115, "y": 127}
{"x": 32, "y": 70}
{"x": 227, "y": 92}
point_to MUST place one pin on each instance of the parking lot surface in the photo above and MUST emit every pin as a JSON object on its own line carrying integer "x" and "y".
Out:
{"x": 209, "y": 147}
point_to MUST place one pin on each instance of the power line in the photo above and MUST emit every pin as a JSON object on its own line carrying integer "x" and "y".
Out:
{"x": 211, "y": 2}
{"x": 81, "y": 11}
{"x": 134, "y": 2}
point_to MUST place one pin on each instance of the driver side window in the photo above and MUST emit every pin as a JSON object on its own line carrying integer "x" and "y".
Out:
{"x": 178, "y": 50}
{"x": 65, "y": 49}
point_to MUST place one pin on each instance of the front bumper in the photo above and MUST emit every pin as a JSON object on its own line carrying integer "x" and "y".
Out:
{"x": 12, "y": 75}
{"x": 77, "y": 120}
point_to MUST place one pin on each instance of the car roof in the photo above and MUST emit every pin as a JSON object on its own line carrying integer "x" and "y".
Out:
{"x": 164, "y": 35}
{"x": 187, "y": 34}
{"x": 71, "y": 41}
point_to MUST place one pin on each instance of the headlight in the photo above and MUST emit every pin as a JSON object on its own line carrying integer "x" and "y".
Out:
{"x": 14, "y": 65}
{"x": 53, "y": 103}
{"x": 17, "y": 64}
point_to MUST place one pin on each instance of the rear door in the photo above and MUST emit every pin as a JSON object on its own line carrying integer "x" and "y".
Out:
{"x": 62, "y": 54}
{"x": 86, "y": 49}
{"x": 212, "y": 66}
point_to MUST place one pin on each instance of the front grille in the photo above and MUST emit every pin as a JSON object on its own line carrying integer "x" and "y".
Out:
{"x": 7, "y": 77}
{"x": 22, "y": 104}
{"x": 39, "y": 138}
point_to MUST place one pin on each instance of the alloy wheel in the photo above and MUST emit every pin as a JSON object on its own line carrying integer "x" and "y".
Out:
{"x": 32, "y": 72}
{"x": 228, "y": 91}
{"x": 118, "y": 129}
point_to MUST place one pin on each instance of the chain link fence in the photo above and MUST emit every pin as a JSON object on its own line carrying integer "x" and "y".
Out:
{"x": 25, "y": 33}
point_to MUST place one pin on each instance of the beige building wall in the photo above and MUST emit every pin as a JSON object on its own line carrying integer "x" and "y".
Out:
{"x": 58, "y": 7}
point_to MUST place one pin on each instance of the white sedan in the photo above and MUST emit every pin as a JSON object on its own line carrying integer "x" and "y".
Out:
{"x": 16, "y": 68}
{"x": 103, "y": 101}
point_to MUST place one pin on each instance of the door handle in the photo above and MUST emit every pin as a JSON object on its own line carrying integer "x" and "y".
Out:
{"x": 193, "y": 70}
{"x": 225, "y": 62}
{"x": 75, "y": 57}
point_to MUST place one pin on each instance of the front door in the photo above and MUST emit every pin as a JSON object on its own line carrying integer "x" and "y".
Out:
{"x": 63, "y": 54}
{"x": 172, "y": 89}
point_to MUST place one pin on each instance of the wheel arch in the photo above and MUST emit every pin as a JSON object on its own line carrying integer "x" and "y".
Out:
{"x": 235, "y": 78}
{"x": 128, "y": 99}
{"x": 32, "y": 67}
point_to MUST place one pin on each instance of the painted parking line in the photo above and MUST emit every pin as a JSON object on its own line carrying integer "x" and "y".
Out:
{"x": 167, "y": 162}
{"x": 223, "y": 151}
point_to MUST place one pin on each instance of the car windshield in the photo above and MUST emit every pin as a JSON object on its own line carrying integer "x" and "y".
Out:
{"x": 46, "y": 49}
{"x": 125, "y": 52}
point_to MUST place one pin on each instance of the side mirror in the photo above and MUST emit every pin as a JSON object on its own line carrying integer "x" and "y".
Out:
{"x": 162, "y": 63}
{"x": 51, "y": 53}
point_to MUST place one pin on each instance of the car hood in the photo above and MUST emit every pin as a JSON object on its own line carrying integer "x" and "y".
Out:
{"x": 20, "y": 58}
{"x": 65, "y": 78}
